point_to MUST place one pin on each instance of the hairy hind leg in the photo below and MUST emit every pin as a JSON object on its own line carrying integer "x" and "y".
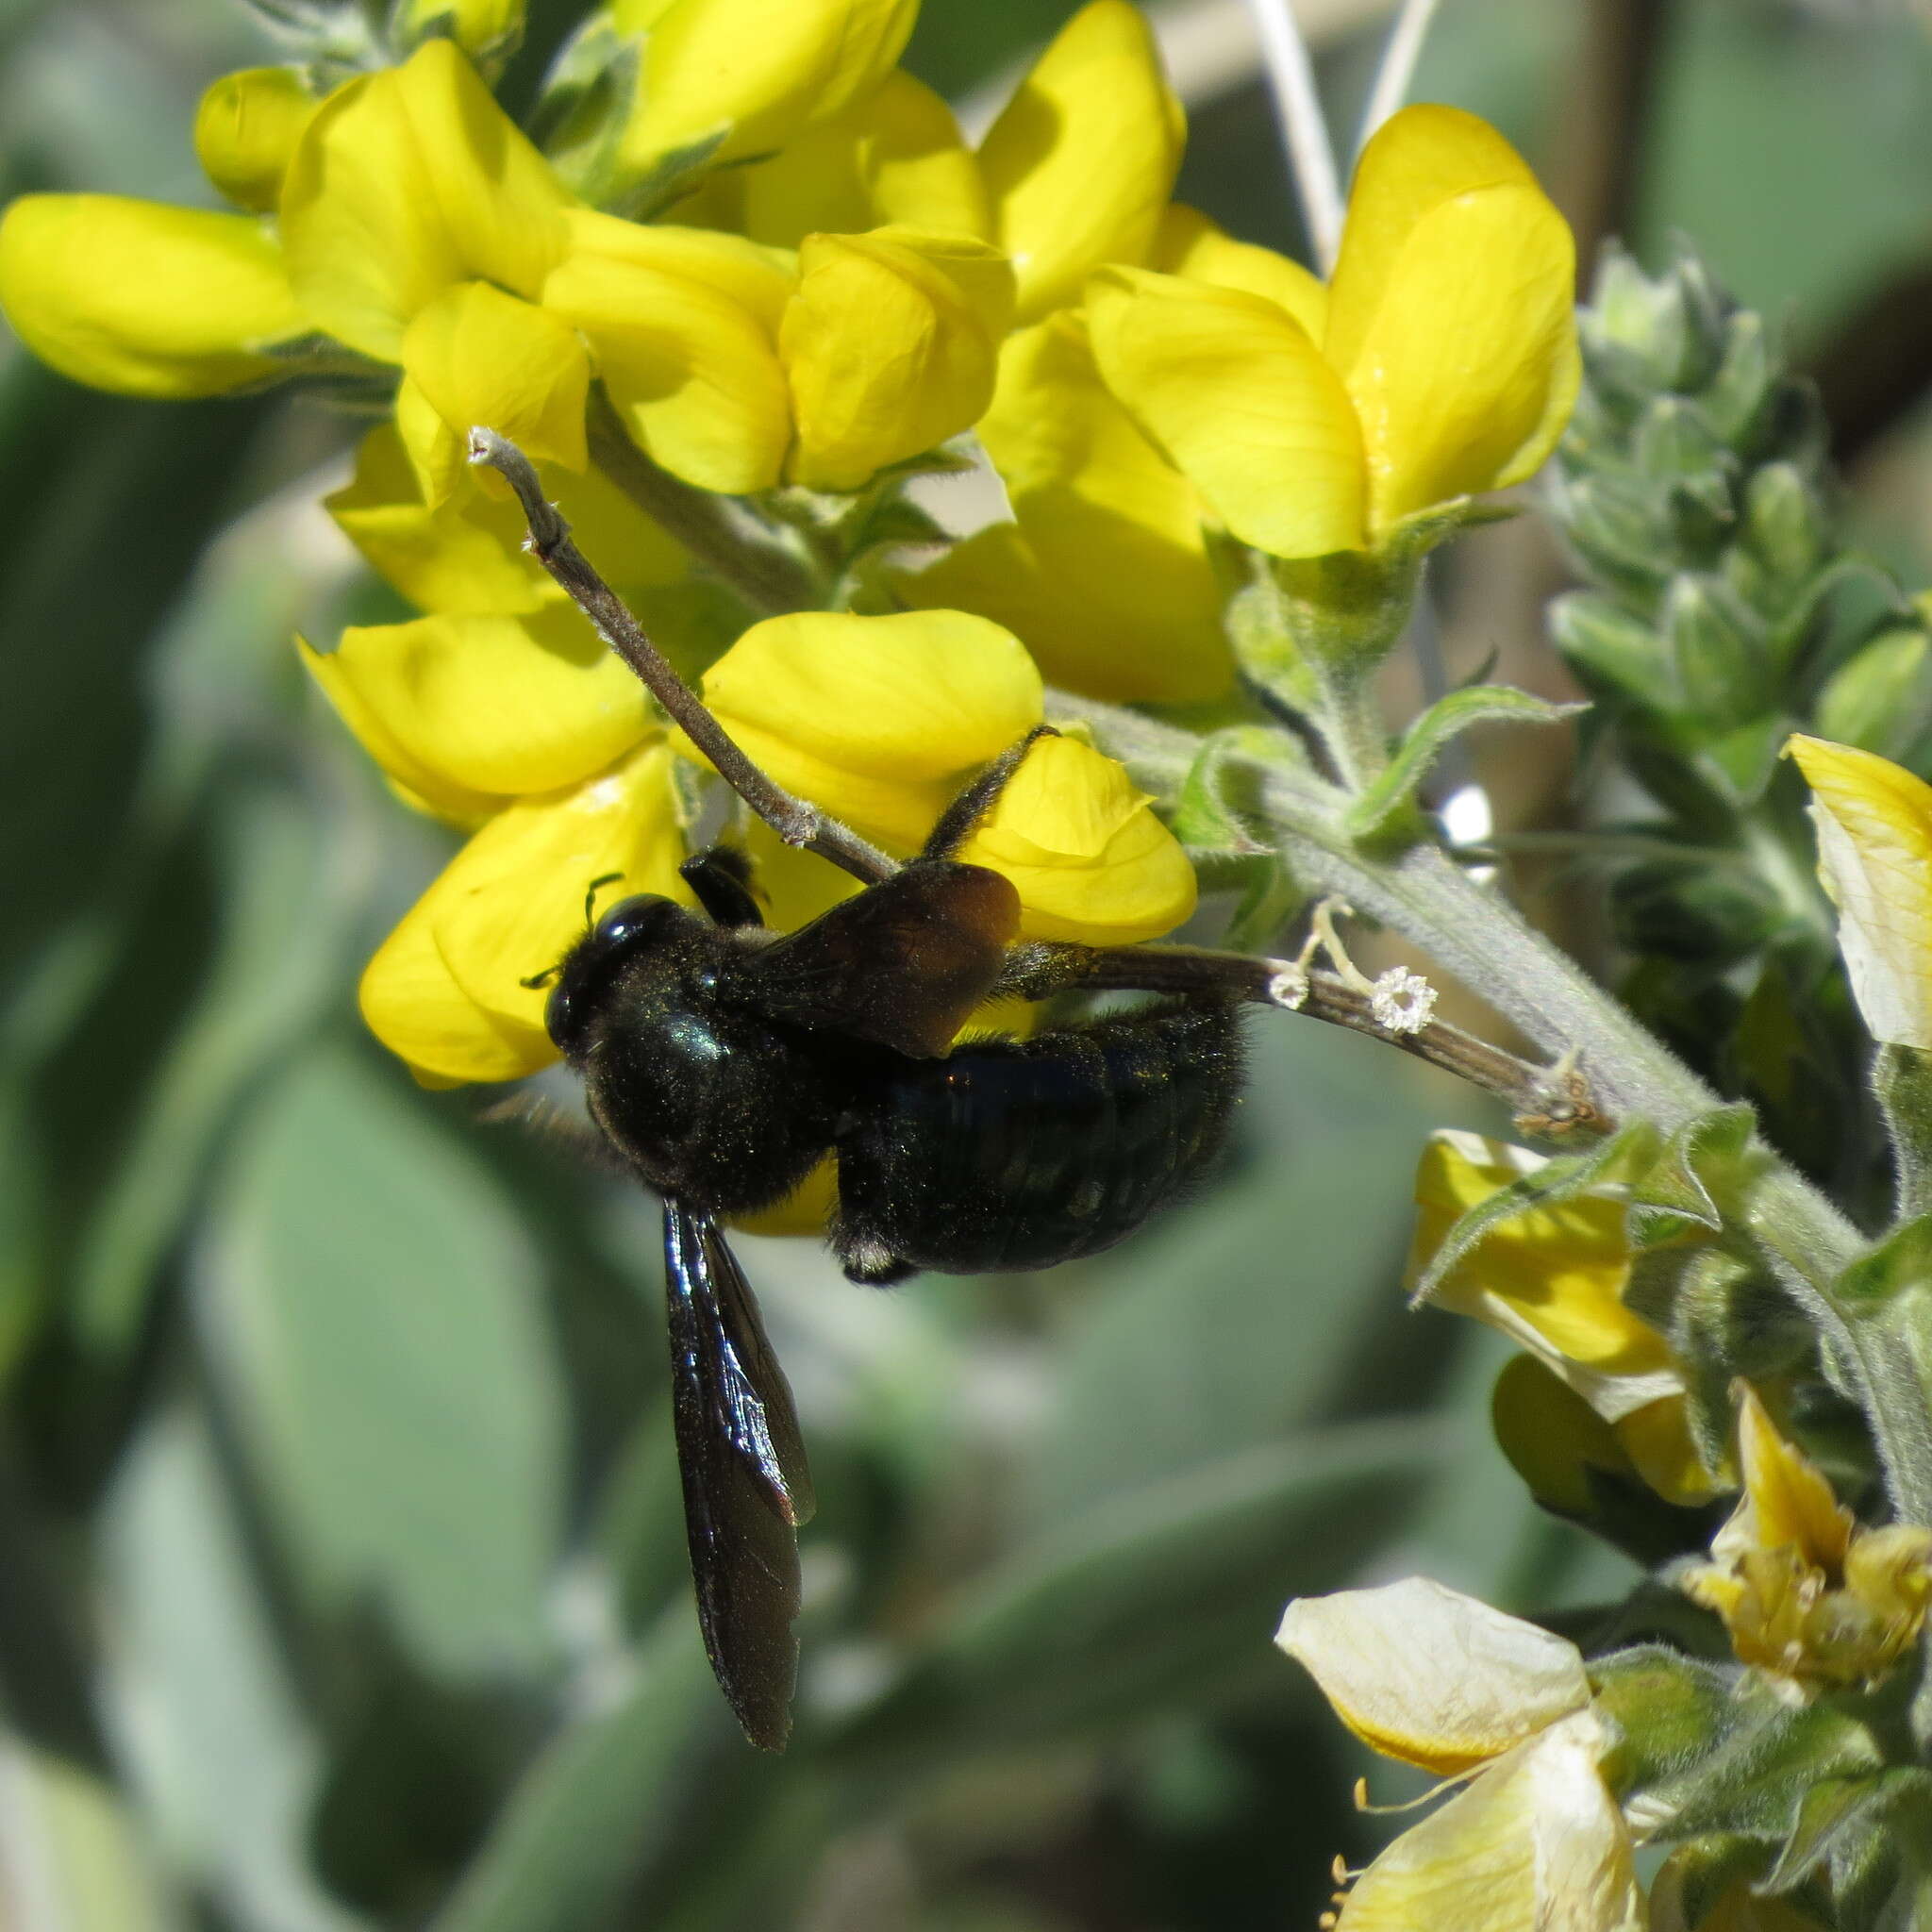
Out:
{"x": 957, "y": 822}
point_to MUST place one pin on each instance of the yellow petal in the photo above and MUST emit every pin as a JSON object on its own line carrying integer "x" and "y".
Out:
{"x": 1231, "y": 387}
{"x": 761, "y": 71}
{"x": 1874, "y": 857}
{"x": 1419, "y": 159}
{"x": 511, "y": 903}
{"x": 489, "y": 705}
{"x": 1080, "y": 163}
{"x": 411, "y": 1002}
{"x": 1107, "y": 576}
{"x": 405, "y": 183}
{"x": 1091, "y": 861}
{"x": 481, "y": 356}
{"x": 896, "y": 157}
{"x": 1552, "y": 1278}
{"x": 1787, "y": 1501}
{"x": 246, "y": 129}
{"x": 1188, "y": 244}
{"x": 144, "y": 299}
{"x": 1657, "y": 1439}
{"x": 683, "y": 335}
{"x": 890, "y": 346}
{"x": 1535, "y": 1844}
{"x": 878, "y": 720}
{"x": 466, "y": 554}
{"x": 1469, "y": 367}
{"x": 444, "y": 991}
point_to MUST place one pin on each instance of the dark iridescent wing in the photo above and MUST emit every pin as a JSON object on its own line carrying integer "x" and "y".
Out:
{"x": 746, "y": 1488}
{"x": 903, "y": 964}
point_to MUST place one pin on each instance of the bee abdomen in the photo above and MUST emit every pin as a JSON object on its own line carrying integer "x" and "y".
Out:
{"x": 1022, "y": 1154}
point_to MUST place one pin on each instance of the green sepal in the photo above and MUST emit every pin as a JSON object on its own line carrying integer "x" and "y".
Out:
{"x": 1668, "y": 1710}
{"x": 1718, "y": 647}
{"x": 1902, "y": 1081}
{"x": 1762, "y": 1755}
{"x": 1897, "y": 1270}
{"x": 1697, "y": 1180}
{"x": 1626, "y": 1152}
{"x": 1609, "y": 644}
{"x": 1700, "y": 1879}
{"x": 1425, "y": 738}
{"x": 1838, "y": 1819}
{"x": 1219, "y": 801}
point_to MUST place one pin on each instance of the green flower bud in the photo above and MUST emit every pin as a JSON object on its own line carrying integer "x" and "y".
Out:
{"x": 1608, "y": 644}
{"x": 1614, "y": 526}
{"x": 1788, "y": 523}
{"x": 1881, "y": 700}
{"x": 1720, "y": 651}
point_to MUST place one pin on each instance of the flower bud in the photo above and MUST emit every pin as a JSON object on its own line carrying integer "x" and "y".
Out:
{"x": 1609, "y": 644}
{"x": 487, "y": 30}
{"x": 144, "y": 299}
{"x": 1718, "y": 647}
{"x": 1787, "y": 523}
{"x": 247, "y": 128}
{"x": 754, "y": 74}
{"x": 1880, "y": 699}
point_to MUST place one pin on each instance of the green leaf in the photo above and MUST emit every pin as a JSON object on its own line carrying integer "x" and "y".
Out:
{"x": 214, "y": 1740}
{"x": 280, "y": 872}
{"x": 371, "y": 1304}
{"x": 1838, "y": 1816}
{"x": 1168, "y": 1592}
{"x": 1425, "y": 738}
{"x": 600, "y": 1802}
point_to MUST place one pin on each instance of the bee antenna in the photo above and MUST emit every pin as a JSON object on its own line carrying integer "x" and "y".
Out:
{"x": 542, "y": 978}
{"x": 603, "y": 879}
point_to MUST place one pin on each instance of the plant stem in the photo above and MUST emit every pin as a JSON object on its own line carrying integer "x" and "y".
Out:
{"x": 794, "y": 820}
{"x": 720, "y": 533}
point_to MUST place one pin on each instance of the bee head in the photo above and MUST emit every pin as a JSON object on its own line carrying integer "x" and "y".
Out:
{"x": 633, "y": 927}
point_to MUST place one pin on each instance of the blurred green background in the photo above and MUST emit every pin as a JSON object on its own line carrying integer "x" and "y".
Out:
{"x": 342, "y": 1575}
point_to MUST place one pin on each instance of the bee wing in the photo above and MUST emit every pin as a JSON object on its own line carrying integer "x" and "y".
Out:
{"x": 741, "y": 1460}
{"x": 903, "y": 964}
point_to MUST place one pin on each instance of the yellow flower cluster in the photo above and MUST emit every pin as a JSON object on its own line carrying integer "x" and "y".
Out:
{"x": 1809, "y": 1596}
{"x": 844, "y": 285}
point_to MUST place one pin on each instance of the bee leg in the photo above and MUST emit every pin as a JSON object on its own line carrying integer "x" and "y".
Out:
{"x": 722, "y": 881}
{"x": 866, "y": 1259}
{"x": 1037, "y": 969}
{"x": 956, "y": 823}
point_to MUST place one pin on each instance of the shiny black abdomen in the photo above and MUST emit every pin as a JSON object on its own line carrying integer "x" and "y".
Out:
{"x": 1022, "y": 1154}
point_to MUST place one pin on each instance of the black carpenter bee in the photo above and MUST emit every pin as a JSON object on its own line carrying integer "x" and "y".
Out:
{"x": 723, "y": 1062}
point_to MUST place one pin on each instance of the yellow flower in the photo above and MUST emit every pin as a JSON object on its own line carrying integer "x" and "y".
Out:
{"x": 1552, "y": 1278}
{"x": 146, "y": 300}
{"x": 1443, "y": 363}
{"x": 1080, "y": 165}
{"x": 1808, "y": 1594}
{"x": 895, "y": 158}
{"x": 1536, "y": 1843}
{"x": 463, "y": 554}
{"x": 1874, "y": 857}
{"x": 1092, "y": 862}
{"x": 446, "y": 989}
{"x": 890, "y": 346}
{"x": 245, "y": 130}
{"x": 754, "y": 74}
{"x": 882, "y": 719}
{"x": 1104, "y": 571}
{"x": 1739, "y": 1909}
